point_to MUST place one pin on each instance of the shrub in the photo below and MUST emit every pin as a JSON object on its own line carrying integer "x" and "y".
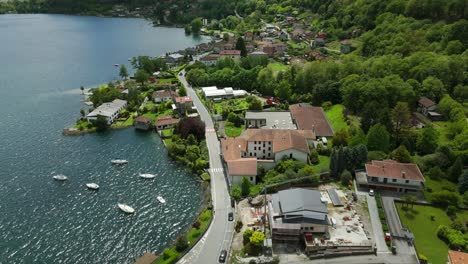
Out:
{"x": 444, "y": 198}
{"x": 324, "y": 151}
{"x": 454, "y": 238}
{"x": 166, "y": 254}
{"x": 181, "y": 243}
{"x": 239, "y": 226}
{"x": 345, "y": 177}
{"x": 196, "y": 234}
{"x": 252, "y": 261}
{"x": 451, "y": 210}
{"x": 327, "y": 105}
{"x": 246, "y": 236}
{"x": 196, "y": 225}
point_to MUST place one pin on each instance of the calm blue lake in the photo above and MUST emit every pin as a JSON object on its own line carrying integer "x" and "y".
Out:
{"x": 44, "y": 59}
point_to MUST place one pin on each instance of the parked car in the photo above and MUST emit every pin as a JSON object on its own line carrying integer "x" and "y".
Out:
{"x": 222, "y": 256}
{"x": 371, "y": 192}
{"x": 230, "y": 216}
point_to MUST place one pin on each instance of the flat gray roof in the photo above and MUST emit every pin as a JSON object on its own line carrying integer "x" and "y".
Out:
{"x": 274, "y": 119}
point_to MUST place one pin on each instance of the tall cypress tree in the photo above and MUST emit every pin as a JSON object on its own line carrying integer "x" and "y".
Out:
{"x": 240, "y": 45}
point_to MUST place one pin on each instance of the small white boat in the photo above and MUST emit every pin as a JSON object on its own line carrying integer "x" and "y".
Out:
{"x": 125, "y": 208}
{"x": 147, "y": 175}
{"x": 119, "y": 161}
{"x": 60, "y": 177}
{"x": 116, "y": 65}
{"x": 161, "y": 199}
{"x": 92, "y": 186}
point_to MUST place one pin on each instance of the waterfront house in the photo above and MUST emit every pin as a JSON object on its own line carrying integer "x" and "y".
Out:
{"x": 110, "y": 111}
{"x": 166, "y": 122}
{"x": 307, "y": 117}
{"x": 391, "y": 175}
{"x": 294, "y": 213}
{"x": 174, "y": 58}
{"x": 209, "y": 59}
{"x": 162, "y": 96}
{"x": 143, "y": 123}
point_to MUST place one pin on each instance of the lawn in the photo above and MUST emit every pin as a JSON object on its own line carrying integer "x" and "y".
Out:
{"x": 442, "y": 128}
{"x": 418, "y": 220}
{"x": 436, "y": 186}
{"x": 167, "y": 133}
{"x": 323, "y": 165}
{"x": 121, "y": 124}
{"x": 277, "y": 66}
{"x": 336, "y": 118}
{"x": 232, "y": 131}
{"x": 166, "y": 81}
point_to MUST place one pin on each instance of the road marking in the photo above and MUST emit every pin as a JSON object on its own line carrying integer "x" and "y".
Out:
{"x": 216, "y": 170}
{"x": 210, "y": 130}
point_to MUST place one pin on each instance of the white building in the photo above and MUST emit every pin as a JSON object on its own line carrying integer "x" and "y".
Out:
{"x": 213, "y": 93}
{"x": 108, "y": 110}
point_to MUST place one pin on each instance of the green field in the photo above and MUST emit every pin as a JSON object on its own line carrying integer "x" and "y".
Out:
{"x": 336, "y": 118}
{"x": 324, "y": 164}
{"x": 418, "y": 220}
{"x": 232, "y": 131}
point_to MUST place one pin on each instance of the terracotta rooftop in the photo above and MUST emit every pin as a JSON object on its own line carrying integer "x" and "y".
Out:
{"x": 163, "y": 94}
{"x": 166, "y": 120}
{"x": 183, "y": 99}
{"x": 313, "y": 118}
{"x": 426, "y": 102}
{"x": 242, "y": 167}
{"x": 394, "y": 169}
{"x": 282, "y": 139}
{"x": 143, "y": 119}
{"x": 458, "y": 257}
{"x": 230, "y": 52}
{"x": 232, "y": 147}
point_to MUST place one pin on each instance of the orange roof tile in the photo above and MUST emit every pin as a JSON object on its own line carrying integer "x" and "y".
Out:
{"x": 458, "y": 257}
{"x": 242, "y": 167}
{"x": 393, "y": 169}
{"x": 313, "y": 118}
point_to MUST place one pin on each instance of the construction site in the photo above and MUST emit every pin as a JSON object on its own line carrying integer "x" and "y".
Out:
{"x": 320, "y": 222}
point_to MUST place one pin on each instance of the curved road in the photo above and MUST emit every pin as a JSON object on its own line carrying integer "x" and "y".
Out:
{"x": 218, "y": 235}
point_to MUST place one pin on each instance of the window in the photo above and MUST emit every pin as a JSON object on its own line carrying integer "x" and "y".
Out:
{"x": 255, "y": 148}
{"x": 393, "y": 180}
{"x": 269, "y": 148}
{"x": 290, "y": 155}
{"x": 407, "y": 181}
{"x": 263, "y": 151}
{"x": 311, "y": 228}
{"x": 250, "y": 154}
{"x": 263, "y": 144}
{"x": 251, "y": 178}
{"x": 269, "y": 154}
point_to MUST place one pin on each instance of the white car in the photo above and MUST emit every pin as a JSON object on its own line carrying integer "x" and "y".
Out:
{"x": 371, "y": 192}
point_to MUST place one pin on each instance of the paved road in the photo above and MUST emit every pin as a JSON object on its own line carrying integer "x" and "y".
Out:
{"x": 219, "y": 234}
{"x": 382, "y": 258}
{"x": 376, "y": 225}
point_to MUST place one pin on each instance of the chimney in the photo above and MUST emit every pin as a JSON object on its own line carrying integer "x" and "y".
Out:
{"x": 403, "y": 174}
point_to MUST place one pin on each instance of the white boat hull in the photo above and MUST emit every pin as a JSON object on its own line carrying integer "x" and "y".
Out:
{"x": 125, "y": 208}
{"x": 92, "y": 186}
{"x": 60, "y": 178}
{"x": 119, "y": 162}
{"x": 147, "y": 175}
{"x": 161, "y": 200}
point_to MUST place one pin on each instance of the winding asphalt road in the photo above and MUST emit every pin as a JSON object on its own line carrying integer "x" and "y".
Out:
{"x": 219, "y": 234}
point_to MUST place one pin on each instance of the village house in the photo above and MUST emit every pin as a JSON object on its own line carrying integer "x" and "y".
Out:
{"x": 258, "y": 54}
{"x": 391, "y": 175}
{"x": 166, "y": 122}
{"x": 224, "y": 45}
{"x": 269, "y": 120}
{"x": 457, "y": 257}
{"x": 110, "y": 111}
{"x": 267, "y": 147}
{"x": 143, "y": 123}
{"x": 427, "y": 107}
{"x": 307, "y": 117}
{"x": 162, "y": 96}
{"x": 209, "y": 59}
{"x": 295, "y": 213}
{"x": 183, "y": 104}
{"x": 174, "y": 58}
{"x": 233, "y": 54}
{"x": 249, "y": 36}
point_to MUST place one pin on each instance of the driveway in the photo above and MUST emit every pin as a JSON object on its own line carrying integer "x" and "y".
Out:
{"x": 395, "y": 226}
{"x": 379, "y": 238}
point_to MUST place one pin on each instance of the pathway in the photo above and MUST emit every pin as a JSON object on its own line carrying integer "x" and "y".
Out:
{"x": 376, "y": 225}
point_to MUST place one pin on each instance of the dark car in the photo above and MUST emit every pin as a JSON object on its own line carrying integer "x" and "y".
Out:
{"x": 230, "y": 216}
{"x": 222, "y": 256}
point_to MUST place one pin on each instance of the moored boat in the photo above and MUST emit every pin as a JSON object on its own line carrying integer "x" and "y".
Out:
{"x": 119, "y": 161}
{"x": 147, "y": 175}
{"x": 60, "y": 177}
{"x": 92, "y": 186}
{"x": 125, "y": 208}
{"x": 161, "y": 199}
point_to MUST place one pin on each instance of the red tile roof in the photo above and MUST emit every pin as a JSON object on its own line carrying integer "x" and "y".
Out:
{"x": 282, "y": 139}
{"x": 393, "y": 169}
{"x": 166, "y": 120}
{"x": 458, "y": 257}
{"x": 183, "y": 99}
{"x": 143, "y": 119}
{"x": 313, "y": 118}
{"x": 242, "y": 167}
{"x": 230, "y": 52}
{"x": 232, "y": 147}
{"x": 426, "y": 102}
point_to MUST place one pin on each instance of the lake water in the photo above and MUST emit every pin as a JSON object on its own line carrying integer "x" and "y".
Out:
{"x": 44, "y": 60}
